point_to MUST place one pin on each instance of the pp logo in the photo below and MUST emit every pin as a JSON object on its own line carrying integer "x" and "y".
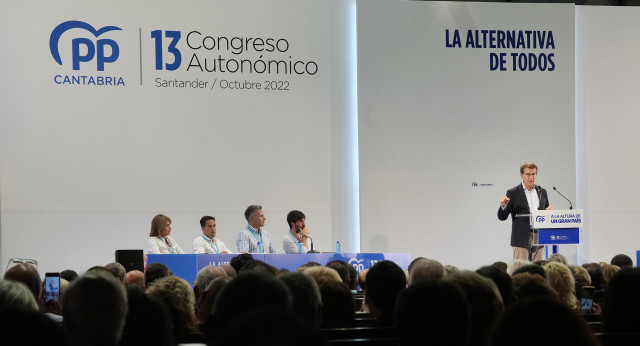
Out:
{"x": 539, "y": 218}
{"x": 474, "y": 184}
{"x": 91, "y": 51}
{"x": 358, "y": 264}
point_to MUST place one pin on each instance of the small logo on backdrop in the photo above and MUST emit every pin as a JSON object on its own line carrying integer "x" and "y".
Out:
{"x": 87, "y": 51}
{"x": 474, "y": 184}
{"x": 539, "y": 218}
{"x": 358, "y": 264}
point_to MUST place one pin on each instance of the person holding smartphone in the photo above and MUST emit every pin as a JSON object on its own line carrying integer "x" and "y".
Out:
{"x": 297, "y": 239}
{"x": 159, "y": 240}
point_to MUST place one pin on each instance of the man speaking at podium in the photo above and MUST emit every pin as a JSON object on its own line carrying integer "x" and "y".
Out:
{"x": 520, "y": 201}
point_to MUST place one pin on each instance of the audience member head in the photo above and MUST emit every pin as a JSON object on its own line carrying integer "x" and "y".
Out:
{"x": 597, "y": 275}
{"x": 249, "y": 291}
{"x": 269, "y": 326}
{"x": 338, "y": 305}
{"x": 413, "y": 263}
{"x": 426, "y": 269}
{"x": 16, "y": 295}
{"x": 385, "y": 281}
{"x": 257, "y": 265}
{"x": 557, "y": 257}
{"x": 154, "y": 272}
{"x": 323, "y": 275}
{"x": 134, "y": 278}
{"x": 208, "y": 297}
{"x": 95, "y": 308}
{"x": 29, "y": 327}
{"x": 228, "y": 269}
{"x": 500, "y": 265}
{"x": 563, "y": 326}
{"x": 622, "y": 260}
{"x": 515, "y": 265}
{"x": 621, "y": 304}
{"x": 581, "y": 278}
{"x": 307, "y": 303}
{"x": 117, "y": 270}
{"x": 158, "y": 223}
{"x": 28, "y": 275}
{"x": 101, "y": 269}
{"x": 609, "y": 270}
{"x": 353, "y": 278}
{"x": 69, "y": 275}
{"x": 362, "y": 279}
{"x": 560, "y": 278}
{"x": 147, "y": 321}
{"x": 527, "y": 285}
{"x": 501, "y": 279}
{"x": 177, "y": 297}
{"x": 530, "y": 268}
{"x": 435, "y": 312}
{"x": 485, "y": 302}
{"x": 541, "y": 263}
{"x": 450, "y": 269}
{"x": 343, "y": 270}
{"x": 204, "y": 278}
{"x": 239, "y": 261}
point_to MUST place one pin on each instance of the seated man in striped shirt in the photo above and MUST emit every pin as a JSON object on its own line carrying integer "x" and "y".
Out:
{"x": 254, "y": 239}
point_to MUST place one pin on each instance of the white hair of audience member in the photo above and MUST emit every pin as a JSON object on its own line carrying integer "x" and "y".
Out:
{"x": 208, "y": 274}
{"x": 426, "y": 269}
{"x": 516, "y": 264}
{"x": 450, "y": 269}
{"x": 556, "y": 257}
{"x": 17, "y": 295}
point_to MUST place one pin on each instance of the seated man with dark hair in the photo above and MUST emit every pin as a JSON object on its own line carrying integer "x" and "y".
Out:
{"x": 297, "y": 239}
{"x": 385, "y": 281}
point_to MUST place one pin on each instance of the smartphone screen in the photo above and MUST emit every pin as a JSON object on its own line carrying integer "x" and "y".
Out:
{"x": 587, "y": 299}
{"x": 52, "y": 286}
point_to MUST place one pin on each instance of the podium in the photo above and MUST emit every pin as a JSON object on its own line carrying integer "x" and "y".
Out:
{"x": 556, "y": 227}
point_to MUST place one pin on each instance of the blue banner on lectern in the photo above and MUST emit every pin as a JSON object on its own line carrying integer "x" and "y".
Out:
{"x": 549, "y": 236}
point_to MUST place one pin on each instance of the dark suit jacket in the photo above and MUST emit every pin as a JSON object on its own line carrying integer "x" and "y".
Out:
{"x": 520, "y": 228}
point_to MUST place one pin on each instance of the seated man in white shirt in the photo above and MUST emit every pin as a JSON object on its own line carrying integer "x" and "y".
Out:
{"x": 297, "y": 239}
{"x": 206, "y": 243}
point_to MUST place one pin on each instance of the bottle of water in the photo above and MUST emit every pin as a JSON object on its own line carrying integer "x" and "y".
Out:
{"x": 338, "y": 247}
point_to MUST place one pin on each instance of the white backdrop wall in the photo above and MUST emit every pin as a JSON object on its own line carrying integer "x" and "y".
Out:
{"x": 607, "y": 123}
{"x": 442, "y": 135}
{"x": 84, "y": 167}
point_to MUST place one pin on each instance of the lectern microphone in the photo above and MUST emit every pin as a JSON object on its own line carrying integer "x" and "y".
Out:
{"x": 570, "y": 204}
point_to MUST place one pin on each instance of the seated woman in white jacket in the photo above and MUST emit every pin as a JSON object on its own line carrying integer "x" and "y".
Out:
{"x": 159, "y": 240}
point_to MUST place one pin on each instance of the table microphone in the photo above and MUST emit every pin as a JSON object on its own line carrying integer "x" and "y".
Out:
{"x": 312, "y": 250}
